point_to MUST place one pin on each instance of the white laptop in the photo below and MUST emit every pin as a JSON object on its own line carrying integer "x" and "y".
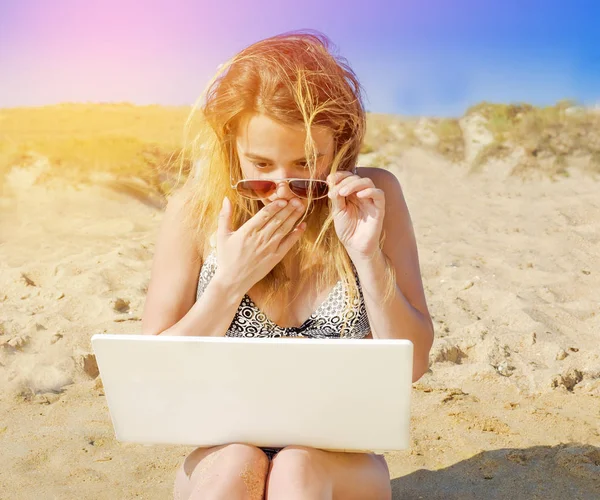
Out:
{"x": 333, "y": 394}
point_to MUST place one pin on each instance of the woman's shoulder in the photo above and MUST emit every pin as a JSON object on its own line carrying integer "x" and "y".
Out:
{"x": 388, "y": 182}
{"x": 376, "y": 174}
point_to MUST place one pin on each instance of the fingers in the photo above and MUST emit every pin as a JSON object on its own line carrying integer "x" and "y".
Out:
{"x": 352, "y": 184}
{"x": 371, "y": 193}
{"x": 338, "y": 181}
{"x": 338, "y": 203}
{"x": 377, "y": 196}
{"x": 291, "y": 239}
{"x": 336, "y": 177}
{"x": 264, "y": 215}
{"x": 224, "y": 222}
{"x": 283, "y": 222}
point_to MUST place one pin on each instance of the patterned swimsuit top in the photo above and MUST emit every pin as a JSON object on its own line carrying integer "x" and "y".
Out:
{"x": 326, "y": 322}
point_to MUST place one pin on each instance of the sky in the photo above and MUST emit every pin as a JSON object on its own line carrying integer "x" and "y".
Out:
{"x": 412, "y": 57}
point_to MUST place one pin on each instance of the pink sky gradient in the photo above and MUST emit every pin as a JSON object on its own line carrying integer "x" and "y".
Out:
{"x": 412, "y": 57}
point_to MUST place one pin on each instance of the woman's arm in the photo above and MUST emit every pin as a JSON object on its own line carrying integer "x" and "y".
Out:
{"x": 201, "y": 318}
{"x": 406, "y": 315}
{"x": 171, "y": 307}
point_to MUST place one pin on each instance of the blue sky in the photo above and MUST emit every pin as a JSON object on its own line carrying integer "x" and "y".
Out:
{"x": 429, "y": 57}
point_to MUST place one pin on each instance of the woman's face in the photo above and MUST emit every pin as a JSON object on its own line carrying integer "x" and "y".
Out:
{"x": 269, "y": 150}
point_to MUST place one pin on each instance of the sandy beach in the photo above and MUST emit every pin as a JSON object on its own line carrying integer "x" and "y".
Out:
{"x": 510, "y": 407}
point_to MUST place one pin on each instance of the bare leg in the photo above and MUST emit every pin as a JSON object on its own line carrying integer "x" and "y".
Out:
{"x": 306, "y": 473}
{"x": 222, "y": 472}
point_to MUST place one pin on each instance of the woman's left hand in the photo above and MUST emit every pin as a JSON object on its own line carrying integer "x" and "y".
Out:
{"x": 358, "y": 208}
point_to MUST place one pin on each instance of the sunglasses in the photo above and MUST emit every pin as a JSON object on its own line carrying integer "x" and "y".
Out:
{"x": 263, "y": 188}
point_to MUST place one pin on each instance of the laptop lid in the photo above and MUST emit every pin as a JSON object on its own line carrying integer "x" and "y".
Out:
{"x": 335, "y": 394}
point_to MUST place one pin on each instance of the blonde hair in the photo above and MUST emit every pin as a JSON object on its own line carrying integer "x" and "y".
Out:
{"x": 293, "y": 79}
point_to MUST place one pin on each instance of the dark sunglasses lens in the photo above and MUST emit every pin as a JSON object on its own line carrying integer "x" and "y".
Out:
{"x": 302, "y": 188}
{"x": 256, "y": 189}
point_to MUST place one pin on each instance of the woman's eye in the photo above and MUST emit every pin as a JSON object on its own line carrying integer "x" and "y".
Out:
{"x": 302, "y": 164}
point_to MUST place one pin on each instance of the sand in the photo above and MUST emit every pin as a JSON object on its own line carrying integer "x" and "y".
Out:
{"x": 509, "y": 409}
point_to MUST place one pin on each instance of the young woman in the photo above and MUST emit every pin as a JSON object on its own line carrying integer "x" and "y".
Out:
{"x": 278, "y": 233}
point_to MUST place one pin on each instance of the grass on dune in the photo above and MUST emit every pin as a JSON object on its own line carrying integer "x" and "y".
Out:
{"x": 548, "y": 136}
{"x": 139, "y": 148}
{"x": 126, "y": 142}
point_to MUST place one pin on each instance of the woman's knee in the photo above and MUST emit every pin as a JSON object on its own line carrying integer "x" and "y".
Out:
{"x": 299, "y": 472}
{"x": 226, "y": 455}
{"x": 236, "y": 467}
{"x": 245, "y": 454}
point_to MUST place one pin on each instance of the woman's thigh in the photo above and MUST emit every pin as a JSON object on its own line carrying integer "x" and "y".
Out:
{"x": 234, "y": 466}
{"x": 347, "y": 476}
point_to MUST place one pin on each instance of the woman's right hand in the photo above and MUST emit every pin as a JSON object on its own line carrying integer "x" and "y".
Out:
{"x": 247, "y": 255}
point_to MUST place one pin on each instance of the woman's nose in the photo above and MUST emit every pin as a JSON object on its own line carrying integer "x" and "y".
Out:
{"x": 284, "y": 192}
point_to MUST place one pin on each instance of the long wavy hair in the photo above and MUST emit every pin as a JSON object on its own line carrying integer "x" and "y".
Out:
{"x": 294, "y": 79}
